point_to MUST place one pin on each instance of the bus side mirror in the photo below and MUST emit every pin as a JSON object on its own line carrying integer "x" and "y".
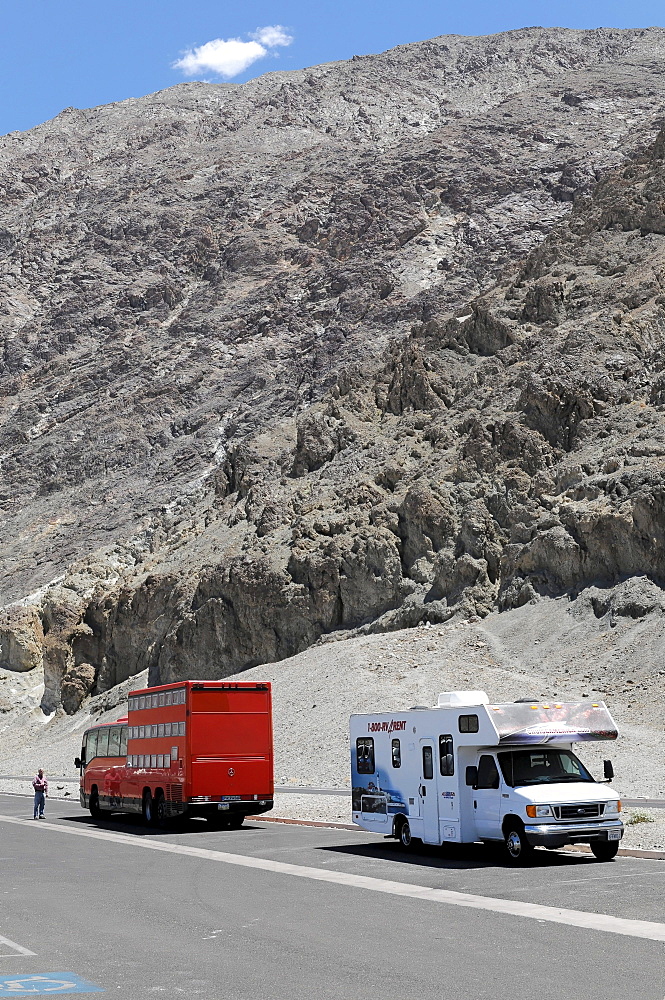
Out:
{"x": 608, "y": 770}
{"x": 472, "y": 775}
{"x": 77, "y": 762}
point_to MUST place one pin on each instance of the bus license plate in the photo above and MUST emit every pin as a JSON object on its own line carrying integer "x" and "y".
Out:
{"x": 222, "y": 805}
{"x": 614, "y": 835}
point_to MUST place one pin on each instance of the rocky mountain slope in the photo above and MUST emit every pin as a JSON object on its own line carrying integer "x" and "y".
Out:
{"x": 359, "y": 346}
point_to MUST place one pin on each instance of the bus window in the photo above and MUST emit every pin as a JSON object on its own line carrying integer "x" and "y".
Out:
{"x": 102, "y": 742}
{"x": 123, "y": 741}
{"x": 91, "y": 745}
{"x": 114, "y": 742}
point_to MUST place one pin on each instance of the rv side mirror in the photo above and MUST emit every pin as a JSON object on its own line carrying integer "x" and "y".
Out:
{"x": 77, "y": 762}
{"x": 608, "y": 770}
{"x": 472, "y": 775}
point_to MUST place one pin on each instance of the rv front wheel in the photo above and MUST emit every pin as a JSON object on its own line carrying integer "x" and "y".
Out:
{"x": 605, "y": 850}
{"x": 404, "y": 835}
{"x": 518, "y": 847}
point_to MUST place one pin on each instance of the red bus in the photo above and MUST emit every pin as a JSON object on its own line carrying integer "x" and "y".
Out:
{"x": 194, "y": 748}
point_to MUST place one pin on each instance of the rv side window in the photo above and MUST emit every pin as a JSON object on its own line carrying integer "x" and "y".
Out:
{"x": 446, "y": 759}
{"x": 365, "y": 755}
{"x": 428, "y": 762}
{"x": 397, "y": 754}
{"x": 468, "y": 723}
{"x": 488, "y": 775}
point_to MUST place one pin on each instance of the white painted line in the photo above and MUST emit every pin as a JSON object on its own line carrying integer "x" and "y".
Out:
{"x": 16, "y": 949}
{"x": 647, "y": 929}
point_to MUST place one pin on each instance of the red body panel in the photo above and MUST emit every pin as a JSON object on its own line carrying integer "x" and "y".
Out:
{"x": 196, "y": 740}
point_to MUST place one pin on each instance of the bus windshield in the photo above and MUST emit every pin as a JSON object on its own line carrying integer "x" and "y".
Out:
{"x": 541, "y": 767}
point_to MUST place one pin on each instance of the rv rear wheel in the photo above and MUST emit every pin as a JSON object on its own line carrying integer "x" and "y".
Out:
{"x": 404, "y": 834}
{"x": 605, "y": 850}
{"x": 517, "y": 846}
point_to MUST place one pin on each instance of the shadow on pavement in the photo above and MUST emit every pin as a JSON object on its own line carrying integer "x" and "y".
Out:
{"x": 460, "y": 856}
{"x": 134, "y": 825}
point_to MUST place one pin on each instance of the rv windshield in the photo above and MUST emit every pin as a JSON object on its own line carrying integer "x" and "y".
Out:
{"x": 541, "y": 767}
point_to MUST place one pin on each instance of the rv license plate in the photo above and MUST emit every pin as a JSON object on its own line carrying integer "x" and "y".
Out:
{"x": 614, "y": 835}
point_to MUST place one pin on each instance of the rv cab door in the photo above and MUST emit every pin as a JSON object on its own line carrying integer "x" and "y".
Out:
{"x": 487, "y": 799}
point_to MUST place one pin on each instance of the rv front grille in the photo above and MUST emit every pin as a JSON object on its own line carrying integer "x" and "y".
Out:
{"x": 579, "y": 810}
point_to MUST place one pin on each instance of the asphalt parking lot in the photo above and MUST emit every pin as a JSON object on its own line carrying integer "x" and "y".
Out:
{"x": 277, "y": 911}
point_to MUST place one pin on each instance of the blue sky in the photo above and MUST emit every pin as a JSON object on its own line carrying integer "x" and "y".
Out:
{"x": 61, "y": 53}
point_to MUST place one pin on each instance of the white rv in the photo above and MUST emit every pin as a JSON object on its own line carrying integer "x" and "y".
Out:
{"x": 466, "y": 771}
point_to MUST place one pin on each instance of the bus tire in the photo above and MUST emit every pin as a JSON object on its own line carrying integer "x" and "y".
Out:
{"x": 159, "y": 808}
{"x": 518, "y": 850}
{"x": 235, "y": 821}
{"x": 404, "y": 835}
{"x": 605, "y": 850}
{"x": 148, "y": 808}
{"x": 93, "y": 804}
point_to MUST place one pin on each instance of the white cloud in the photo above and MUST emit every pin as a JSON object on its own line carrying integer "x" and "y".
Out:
{"x": 229, "y": 57}
{"x": 274, "y": 34}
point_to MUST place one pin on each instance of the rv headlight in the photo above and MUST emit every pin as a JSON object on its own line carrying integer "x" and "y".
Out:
{"x": 538, "y": 812}
{"x": 613, "y": 807}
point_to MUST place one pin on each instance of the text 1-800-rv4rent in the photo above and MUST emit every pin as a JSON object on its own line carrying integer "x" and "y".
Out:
{"x": 466, "y": 771}
{"x": 197, "y": 748}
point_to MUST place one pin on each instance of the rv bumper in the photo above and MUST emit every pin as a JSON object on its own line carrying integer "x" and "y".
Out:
{"x": 559, "y": 834}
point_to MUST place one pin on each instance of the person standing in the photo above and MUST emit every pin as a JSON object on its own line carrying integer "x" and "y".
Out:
{"x": 40, "y": 785}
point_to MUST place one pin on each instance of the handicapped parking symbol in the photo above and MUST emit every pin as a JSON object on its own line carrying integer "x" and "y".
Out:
{"x": 37, "y": 984}
{"x": 53, "y": 982}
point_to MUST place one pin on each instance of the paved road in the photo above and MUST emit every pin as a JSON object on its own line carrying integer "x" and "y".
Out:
{"x": 281, "y": 912}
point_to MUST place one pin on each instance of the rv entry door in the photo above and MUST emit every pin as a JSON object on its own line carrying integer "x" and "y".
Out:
{"x": 429, "y": 804}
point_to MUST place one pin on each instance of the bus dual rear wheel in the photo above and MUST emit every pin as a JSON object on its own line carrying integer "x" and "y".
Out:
{"x": 149, "y": 812}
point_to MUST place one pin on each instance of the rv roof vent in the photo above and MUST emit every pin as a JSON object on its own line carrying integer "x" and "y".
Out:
{"x": 462, "y": 699}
